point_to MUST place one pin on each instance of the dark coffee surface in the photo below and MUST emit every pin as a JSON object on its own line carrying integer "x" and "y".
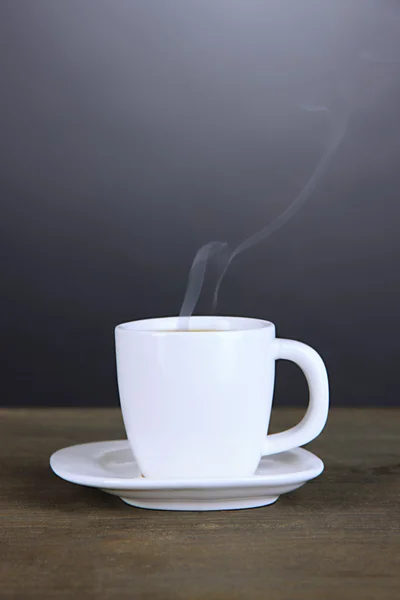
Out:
{"x": 336, "y": 538}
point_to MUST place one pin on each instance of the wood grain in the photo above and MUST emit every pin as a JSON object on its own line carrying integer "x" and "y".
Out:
{"x": 335, "y": 538}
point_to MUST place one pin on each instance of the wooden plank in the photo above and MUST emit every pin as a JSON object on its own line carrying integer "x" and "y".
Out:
{"x": 335, "y": 538}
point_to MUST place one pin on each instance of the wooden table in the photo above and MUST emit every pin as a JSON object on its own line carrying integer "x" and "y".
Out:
{"x": 335, "y": 538}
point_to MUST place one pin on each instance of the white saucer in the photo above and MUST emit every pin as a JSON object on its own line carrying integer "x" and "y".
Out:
{"x": 111, "y": 467}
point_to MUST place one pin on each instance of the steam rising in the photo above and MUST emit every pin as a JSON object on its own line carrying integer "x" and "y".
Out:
{"x": 196, "y": 279}
{"x": 348, "y": 95}
{"x": 337, "y": 127}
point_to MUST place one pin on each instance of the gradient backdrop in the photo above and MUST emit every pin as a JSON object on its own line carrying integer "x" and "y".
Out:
{"x": 133, "y": 132}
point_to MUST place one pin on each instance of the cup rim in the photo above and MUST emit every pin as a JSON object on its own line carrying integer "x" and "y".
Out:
{"x": 222, "y": 324}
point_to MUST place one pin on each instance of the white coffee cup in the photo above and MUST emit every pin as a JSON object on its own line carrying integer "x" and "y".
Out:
{"x": 197, "y": 404}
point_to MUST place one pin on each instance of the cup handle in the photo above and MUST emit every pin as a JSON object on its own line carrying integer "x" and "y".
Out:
{"x": 315, "y": 418}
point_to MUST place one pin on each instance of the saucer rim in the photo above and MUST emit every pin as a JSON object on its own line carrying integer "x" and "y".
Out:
{"x": 57, "y": 464}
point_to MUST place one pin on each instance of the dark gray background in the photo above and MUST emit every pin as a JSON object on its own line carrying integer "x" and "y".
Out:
{"x": 134, "y": 132}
